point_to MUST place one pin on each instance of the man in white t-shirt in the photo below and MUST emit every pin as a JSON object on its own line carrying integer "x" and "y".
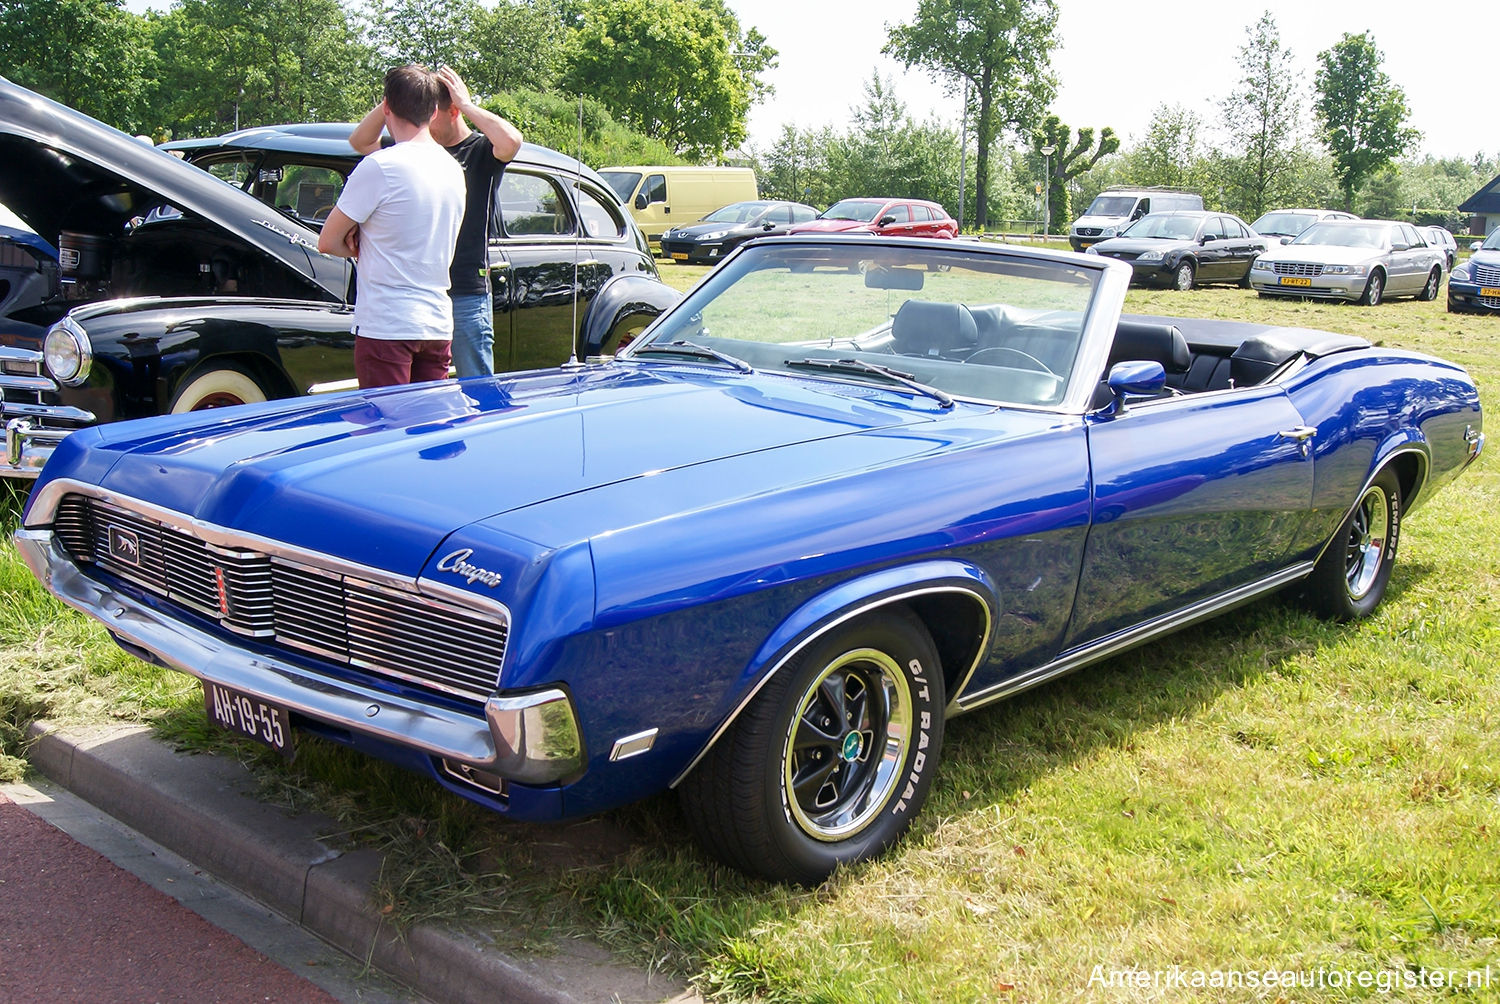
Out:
{"x": 399, "y": 214}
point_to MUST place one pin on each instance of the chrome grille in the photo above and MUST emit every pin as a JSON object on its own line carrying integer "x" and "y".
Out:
{"x": 1486, "y": 275}
{"x": 1297, "y": 268}
{"x": 388, "y": 632}
{"x": 1493, "y": 302}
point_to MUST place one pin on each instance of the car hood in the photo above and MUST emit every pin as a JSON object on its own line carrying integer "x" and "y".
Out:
{"x": 1490, "y": 258}
{"x": 1139, "y": 245}
{"x": 382, "y": 477}
{"x": 831, "y": 226}
{"x": 60, "y": 169}
{"x": 1325, "y": 254}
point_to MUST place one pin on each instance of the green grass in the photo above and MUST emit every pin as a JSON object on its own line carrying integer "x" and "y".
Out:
{"x": 1265, "y": 791}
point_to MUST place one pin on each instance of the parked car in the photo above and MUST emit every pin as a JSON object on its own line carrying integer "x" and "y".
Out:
{"x": 1363, "y": 260}
{"x": 1441, "y": 238}
{"x": 1474, "y": 286}
{"x": 844, "y": 526}
{"x": 726, "y": 228}
{"x": 28, "y": 268}
{"x": 887, "y": 217}
{"x": 661, "y": 197}
{"x": 1114, "y": 209}
{"x": 175, "y": 291}
{"x": 1181, "y": 250}
{"x": 1283, "y": 225}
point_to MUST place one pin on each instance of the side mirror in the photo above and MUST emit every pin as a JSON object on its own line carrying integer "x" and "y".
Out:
{"x": 1476, "y": 245}
{"x": 1135, "y": 378}
{"x": 1286, "y": 240}
{"x": 1398, "y": 246}
{"x": 768, "y": 225}
{"x": 885, "y": 221}
{"x": 640, "y": 201}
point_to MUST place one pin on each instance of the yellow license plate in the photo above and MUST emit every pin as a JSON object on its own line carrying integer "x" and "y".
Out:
{"x": 1295, "y": 280}
{"x": 1489, "y": 290}
{"x": 679, "y": 256}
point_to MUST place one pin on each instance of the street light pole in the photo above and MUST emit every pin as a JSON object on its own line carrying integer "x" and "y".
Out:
{"x": 1047, "y": 152}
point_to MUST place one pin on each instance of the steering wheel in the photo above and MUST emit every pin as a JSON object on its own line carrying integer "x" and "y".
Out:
{"x": 1036, "y": 364}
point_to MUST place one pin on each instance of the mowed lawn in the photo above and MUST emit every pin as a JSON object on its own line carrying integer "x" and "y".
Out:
{"x": 1263, "y": 794}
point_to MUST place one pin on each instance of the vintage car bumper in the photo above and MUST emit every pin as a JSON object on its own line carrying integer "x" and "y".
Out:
{"x": 1472, "y": 296}
{"x": 32, "y": 429}
{"x": 530, "y": 738}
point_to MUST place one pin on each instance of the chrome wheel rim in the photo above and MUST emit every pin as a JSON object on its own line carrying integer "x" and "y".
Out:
{"x": 1368, "y": 533}
{"x": 1184, "y": 277}
{"x": 845, "y": 745}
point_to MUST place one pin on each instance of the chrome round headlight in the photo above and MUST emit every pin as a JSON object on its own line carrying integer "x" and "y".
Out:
{"x": 67, "y": 352}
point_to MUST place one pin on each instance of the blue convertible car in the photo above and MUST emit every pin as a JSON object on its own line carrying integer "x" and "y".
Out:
{"x": 844, "y": 489}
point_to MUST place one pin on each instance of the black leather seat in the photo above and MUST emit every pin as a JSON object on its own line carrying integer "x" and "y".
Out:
{"x": 938, "y": 330}
{"x": 1160, "y": 343}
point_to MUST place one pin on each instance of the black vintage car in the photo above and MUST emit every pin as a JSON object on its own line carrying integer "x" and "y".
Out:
{"x": 1183, "y": 249}
{"x": 175, "y": 291}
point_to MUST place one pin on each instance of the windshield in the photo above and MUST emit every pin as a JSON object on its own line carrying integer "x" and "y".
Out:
{"x": 740, "y": 212}
{"x": 1165, "y": 226}
{"x": 861, "y": 210}
{"x": 1111, "y": 205}
{"x": 623, "y": 182}
{"x": 1282, "y": 224}
{"x": 966, "y": 323}
{"x": 1492, "y": 242}
{"x": 1349, "y": 235}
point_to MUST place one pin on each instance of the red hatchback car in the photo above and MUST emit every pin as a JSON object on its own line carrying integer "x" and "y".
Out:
{"x": 888, "y": 217}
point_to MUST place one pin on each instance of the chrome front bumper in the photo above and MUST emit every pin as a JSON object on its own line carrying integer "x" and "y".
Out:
{"x": 32, "y": 429}
{"x": 530, "y": 738}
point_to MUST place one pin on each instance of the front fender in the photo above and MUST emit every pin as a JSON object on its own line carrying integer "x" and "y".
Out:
{"x": 853, "y": 598}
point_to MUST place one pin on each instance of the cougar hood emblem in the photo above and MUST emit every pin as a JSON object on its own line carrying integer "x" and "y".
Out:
{"x": 458, "y": 563}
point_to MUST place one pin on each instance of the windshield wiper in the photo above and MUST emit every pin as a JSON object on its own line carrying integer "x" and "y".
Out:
{"x": 860, "y": 366}
{"x": 681, "y": 347}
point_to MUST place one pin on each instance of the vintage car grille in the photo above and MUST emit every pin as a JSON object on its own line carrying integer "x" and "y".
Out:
{"x": 22, "y": 376}
{"x": 386, "y": 631}
{"x": 1486, "y": 275}
{"x": 1297, "y": 268}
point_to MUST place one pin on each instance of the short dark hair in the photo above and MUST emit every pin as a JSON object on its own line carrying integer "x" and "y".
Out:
{"x": 411, "y": 93}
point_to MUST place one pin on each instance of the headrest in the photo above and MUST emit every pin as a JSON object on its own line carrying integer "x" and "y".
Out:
{"x": 927, "y": 328}
{"x": 1161, "y": 343}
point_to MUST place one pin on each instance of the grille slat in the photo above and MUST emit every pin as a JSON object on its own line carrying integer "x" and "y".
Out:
{"x": 1297, "y": 268}
{"x": 1486, "y": 275}
{"x": 383, "y": 630}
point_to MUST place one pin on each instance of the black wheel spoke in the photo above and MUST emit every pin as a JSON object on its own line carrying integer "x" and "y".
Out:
{"x": 810, "y": 779}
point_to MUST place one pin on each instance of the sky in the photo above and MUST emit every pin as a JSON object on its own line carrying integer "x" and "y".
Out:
{"x": 1119, "y": 60}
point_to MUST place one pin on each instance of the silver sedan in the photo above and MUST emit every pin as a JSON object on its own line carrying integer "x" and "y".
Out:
{"x": 1363, "y": 260}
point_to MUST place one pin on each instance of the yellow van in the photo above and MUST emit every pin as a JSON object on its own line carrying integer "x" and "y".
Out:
{"x": 662, "y": 197}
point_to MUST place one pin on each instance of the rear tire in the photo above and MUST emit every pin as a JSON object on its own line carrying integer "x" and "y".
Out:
{"x": 831, "y": 761}
{"x": 1349, "y": 580}
{"x": 217, "y": 388}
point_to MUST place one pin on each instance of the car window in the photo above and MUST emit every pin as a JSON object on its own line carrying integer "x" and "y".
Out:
{"x": 921, "y": 214}
{"x": 901, "y": 213}
{"x": 235, "y": 170}
{"x": 802, "y": 215}
{"x": 310, "y": 192}
{"x": 781, "y": 214}
{"x": 655, "y": 189}
{"x": 1409, "y": 236}
{"x": 599, "y": 220}
{"x": 623, "y": 182}
{"x": 1213, "y": 228}
{"x": 530, "y": 204}
{"x": 1233, "y": 229}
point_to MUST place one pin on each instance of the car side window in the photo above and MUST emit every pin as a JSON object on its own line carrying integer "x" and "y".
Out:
{"x": 310, "y": 192}
{"x": 1232, "y": 229}
{"x": 655, "y": 189}
{"x": 781, "y": 214}
{"x": 800, "y": 215}
{"x": 1213, "y": 228}
{"x": 530, "y": 204}
{"x": 1410, "y": 236}
{"x": 902, "y": 213}
{"x": 598, "y": 220}
{"x": 921, "y": 214}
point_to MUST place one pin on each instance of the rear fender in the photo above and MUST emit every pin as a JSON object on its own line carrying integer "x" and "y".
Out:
{"x": 621, "y": 309}
{"x": 905, "y": 584}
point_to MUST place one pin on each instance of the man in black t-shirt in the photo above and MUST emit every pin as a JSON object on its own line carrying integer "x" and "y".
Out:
{"x": 483, "y": 156}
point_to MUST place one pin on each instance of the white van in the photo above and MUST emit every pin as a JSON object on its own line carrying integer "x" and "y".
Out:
{"x": 663, "y": 197}
{"x": 1114, "y": 209}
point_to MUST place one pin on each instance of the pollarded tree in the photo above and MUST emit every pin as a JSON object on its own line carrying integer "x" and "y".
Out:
{"x": 1361, "y": 111}
{"x": 1002, "y": 48}
{"x": 1068, "y": 162}
{"x": 681, "y": 71}
{"x": 1260, "y": 116}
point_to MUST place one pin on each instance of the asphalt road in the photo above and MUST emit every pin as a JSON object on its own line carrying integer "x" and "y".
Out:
{"x": 76, "y": 927}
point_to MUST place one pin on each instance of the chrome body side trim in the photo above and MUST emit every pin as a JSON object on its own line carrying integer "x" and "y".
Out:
{"x": 1127, "y": 638}
{"x": 633, "y": 745}
{"x": 843, "y": 618}
{"x": 533, "y": 738}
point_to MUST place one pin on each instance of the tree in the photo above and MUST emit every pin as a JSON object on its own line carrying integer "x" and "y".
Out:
{"x": 516, "y": 45}
{"x": 257, "y": 62}
{"x": 1067, "y": 163}
{"x": 682, "y": 71}
{"x": 1169, "y": 155}
{"x": 1260, "y": 116}
{"x": 889, "y": 154}
{"x": 796, "y": 166}
{"x": 92, "y": 55}
{"x": 1001, "y": 48}
{"x": 1361, "y": 111}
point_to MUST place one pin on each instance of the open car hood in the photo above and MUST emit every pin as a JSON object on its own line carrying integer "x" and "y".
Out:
{"x": 61, "y": 170}
{"x": 381, "y": 477}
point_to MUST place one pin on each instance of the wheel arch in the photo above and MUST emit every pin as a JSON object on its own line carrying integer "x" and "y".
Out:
{"x": 1405, "y": 453}
{"x": 954, "y": 600}
{"x": 256, "y": 365}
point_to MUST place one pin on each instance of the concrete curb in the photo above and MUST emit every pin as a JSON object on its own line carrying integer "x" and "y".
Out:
{"x": 200, "y": 808}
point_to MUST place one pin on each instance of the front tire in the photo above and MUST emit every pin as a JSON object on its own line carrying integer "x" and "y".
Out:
{"x": 1374, "y": 289}
{"x": 1434, "y": 283}
{"x": 1183, "y": 278}
{"x": 831, "y": 761}
{"x": 217, "y": 388}
{"x": 1350, "y": 578}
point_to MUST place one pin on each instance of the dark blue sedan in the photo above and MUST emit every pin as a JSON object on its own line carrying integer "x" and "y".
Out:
{"x": 712, "y": 238}
{"x": 846, "y": 488}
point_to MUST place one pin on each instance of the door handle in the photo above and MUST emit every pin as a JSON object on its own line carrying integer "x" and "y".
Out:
{"x": 1302, "y": 435}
